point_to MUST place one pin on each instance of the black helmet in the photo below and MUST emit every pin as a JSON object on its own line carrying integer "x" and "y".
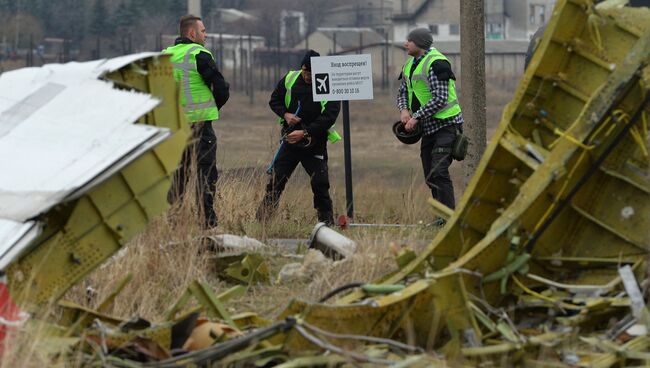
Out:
{"x": 407, "y": 137}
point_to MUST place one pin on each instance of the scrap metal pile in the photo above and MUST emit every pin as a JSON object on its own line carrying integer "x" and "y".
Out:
{"x": 543, "y": 263}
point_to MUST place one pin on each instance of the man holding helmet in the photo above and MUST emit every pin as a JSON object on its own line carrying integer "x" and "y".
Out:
{"x": 427, "y": 101}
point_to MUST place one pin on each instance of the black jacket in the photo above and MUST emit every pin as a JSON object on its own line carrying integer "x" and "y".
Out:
{"x": 207, "y": 67}
{"x": 315, "y": 122}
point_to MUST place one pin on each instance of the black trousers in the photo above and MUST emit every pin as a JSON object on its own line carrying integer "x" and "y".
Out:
{"x": 314, "y": 161}
{"x": 199, "y": 161}
{"x": 436, "y": 164}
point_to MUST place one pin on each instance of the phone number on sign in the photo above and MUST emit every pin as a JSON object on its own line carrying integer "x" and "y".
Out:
{"x": 340, "y": 91}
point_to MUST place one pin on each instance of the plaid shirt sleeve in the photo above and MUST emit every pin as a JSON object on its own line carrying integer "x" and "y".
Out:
{"x": 440, "y": 92}
{"x": 402, "y": 98}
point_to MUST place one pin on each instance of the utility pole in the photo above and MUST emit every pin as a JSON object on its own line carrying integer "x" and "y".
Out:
{"x": 194, "y": 7}
{"x": 17, "y": 26}
{"x": 472, "y": 80}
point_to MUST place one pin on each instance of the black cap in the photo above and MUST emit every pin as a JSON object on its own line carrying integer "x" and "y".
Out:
{"x": 421, "y": 37}
{"x": 306, "y": 61}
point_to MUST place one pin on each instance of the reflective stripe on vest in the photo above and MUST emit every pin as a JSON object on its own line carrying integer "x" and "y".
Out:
{"x": 418, "y": 85}
{"x": 289, "y": 80}
{"x": 196, "y": 97}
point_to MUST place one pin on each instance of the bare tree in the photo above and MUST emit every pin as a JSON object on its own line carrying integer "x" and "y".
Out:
{"x": 315, "y": 9}
{"x": 29, "y": 25}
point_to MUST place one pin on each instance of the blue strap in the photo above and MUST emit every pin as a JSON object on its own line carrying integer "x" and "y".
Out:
{"x": 269, "y": 170}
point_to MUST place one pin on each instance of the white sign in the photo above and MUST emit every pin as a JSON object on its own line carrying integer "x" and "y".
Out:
{"x": 340, "y": 78}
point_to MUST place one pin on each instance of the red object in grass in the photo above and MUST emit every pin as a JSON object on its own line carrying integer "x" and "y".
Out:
{"x": 10, "y": 315}
{"x": 343, "y": 222}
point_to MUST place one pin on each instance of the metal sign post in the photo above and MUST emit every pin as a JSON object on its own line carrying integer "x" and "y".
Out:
{"x": 343, "y": 78}
{"x": 347, "y": 154}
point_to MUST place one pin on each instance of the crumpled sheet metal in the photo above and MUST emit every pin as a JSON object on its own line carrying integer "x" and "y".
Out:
{"x": 120, "y": 142}
{"x": 61, "y": 128}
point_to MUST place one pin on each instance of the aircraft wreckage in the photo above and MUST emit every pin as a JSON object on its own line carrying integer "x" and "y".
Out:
{"x": 543, "y": 263}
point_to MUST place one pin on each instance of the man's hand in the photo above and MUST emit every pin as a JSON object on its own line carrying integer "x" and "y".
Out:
{"x": 291, "y": 119}
{"x": 410, "y": 124}
{"x": 404, "y": 116}
{"x": 295, "y": 136}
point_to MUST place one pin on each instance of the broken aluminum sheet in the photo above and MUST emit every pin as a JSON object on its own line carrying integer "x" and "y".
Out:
{"x": 63, "y": 130}
{"x": 15, "y": 236}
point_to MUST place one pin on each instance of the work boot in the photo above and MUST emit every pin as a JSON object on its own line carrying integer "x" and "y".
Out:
{"x": 326, "y": 217}
{"x": 211, "y": 222}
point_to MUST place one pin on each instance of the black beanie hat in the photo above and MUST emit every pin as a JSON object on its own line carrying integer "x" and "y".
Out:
{"x": 421, "y": 37}
{"x": 306, "y": 61}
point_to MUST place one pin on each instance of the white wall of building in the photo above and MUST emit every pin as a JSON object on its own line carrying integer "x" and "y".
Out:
{"x": 440, "y": 32}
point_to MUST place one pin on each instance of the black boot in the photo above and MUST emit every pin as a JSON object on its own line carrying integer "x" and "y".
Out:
{"x": 326, "y": 217}
{"x": 211, "y": 220}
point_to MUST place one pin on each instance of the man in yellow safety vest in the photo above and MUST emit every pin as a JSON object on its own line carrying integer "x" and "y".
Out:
{"x": 307, "y": 126}
{"x": 203, "y": 91}
{"x": 427, "y": 96}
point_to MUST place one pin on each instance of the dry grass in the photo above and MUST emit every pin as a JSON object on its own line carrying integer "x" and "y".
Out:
{"x": 167, "y": 257}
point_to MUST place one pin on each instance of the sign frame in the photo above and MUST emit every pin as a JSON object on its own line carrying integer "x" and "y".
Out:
{"x": 342, "y": 77}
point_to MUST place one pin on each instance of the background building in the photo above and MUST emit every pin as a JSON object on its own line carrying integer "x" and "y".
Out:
{"x": 504, "y": 19}
{"x": 375, "y": 14}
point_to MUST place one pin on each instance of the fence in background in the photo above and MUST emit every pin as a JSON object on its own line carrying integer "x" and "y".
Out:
{"x": 245, "y": 61}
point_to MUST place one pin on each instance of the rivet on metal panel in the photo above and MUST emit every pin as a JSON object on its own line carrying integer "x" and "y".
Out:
{"x": 75, "y": 258}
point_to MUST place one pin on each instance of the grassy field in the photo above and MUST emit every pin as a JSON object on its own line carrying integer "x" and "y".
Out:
{"x": 388, "y": 188}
